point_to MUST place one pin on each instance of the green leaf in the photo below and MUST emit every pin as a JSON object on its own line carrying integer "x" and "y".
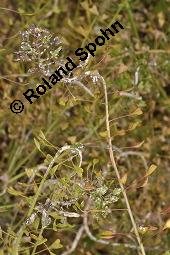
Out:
{"x": 56, "y": 245}
{"x": 48, "y": 159}
{"x": 54, "y": 169}
{"x": 103, "y": 134}
{"x": 78, "y": 170}
{"x": 106, "y": 234}
{"x": 56, "y": 52}
{"x": 41, "y": 240}
{"x": 151, "y": 169}
{"x": 29, "y": 199}
{"x": 138, "y": 111}
{"x": 167, "y": 224}
{"x": 36, "y": 223}
{"x": 30, "y": 172}
{"x": 14, "y": 192}
{"x": 132, "y": 126}
{"x": 56, "y": 215}
{"x": 37, "y": 144}
{"x": 64, "y": 226}
{"x": 95, "y": 161}
{"x": 43, "y": 140}
{"x": 41, "y": 134}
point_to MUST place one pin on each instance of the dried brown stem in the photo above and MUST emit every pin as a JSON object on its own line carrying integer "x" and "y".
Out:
{"x": 113, "y": 162}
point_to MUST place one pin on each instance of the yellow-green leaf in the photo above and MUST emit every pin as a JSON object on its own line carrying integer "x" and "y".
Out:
{"x": 138, "y": 111}
{"x": 37, "y": 144}
{"x": 103, "y": 134}
{"x": 62, "y": 102}
{"x": 167, "y": 224}
{"x": 94, "y": 10}
{"x": 119, "y": 133}
{"x": 29, "y": 172}
{"x": 41, "y": 134}
{"x": 107, "y": 234}
{"x": 41, "y": 240}
{"x": 54, "y": 169}
{"x": 48, "y": 159}
{"x": 56, "y": 245}
{"x": 78, "y": 170}
{"x": 14, "y": 192}
{"x": 133, "y": 126}
{"x": 151, "y": 169}
{"x": 124, "y": 178}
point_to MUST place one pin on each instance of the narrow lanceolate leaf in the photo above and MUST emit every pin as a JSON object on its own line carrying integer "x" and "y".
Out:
{"x": 143, "y": 230}
{"x": 14, "y": 192}
{"x": 41, "y": 134}
{"x": 37, "y": 144}
{"x": 54, "y": 169}
{"x": 151, "y": 169}
{"x": 138, "y": 145}
{"x": 66, "y": 226}
{"x": 107, "y": 234}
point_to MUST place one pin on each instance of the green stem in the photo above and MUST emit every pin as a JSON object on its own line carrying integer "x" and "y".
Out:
{"x": 36, "y": 244}
{"x": 131, "y": 18}
{"x": 22, "y": 229}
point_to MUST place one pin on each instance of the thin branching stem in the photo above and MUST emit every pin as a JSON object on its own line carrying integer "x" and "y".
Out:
{"x": 75, "y": 242}
{"x": 93, "y": 238}
{"x": 113, "y": 162}
{"x": 22, "y": 229}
